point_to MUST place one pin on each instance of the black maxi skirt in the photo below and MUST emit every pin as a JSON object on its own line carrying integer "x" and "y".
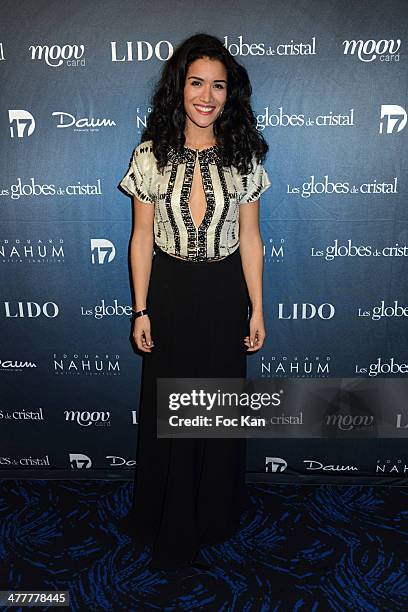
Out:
{"x": 190, "y": 492}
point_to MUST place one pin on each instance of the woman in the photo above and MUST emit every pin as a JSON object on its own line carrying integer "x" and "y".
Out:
{"x": 198, "y": 164}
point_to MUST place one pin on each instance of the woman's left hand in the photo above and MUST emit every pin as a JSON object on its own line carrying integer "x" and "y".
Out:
{"x": 256, "y": 333}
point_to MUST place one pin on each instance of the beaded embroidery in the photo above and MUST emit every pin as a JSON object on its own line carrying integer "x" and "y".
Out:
{"x": 217, "y": 235}
{"x": 197, "y": 236}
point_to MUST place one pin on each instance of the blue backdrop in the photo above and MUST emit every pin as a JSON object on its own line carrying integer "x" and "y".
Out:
{"x": 329, "y": 81}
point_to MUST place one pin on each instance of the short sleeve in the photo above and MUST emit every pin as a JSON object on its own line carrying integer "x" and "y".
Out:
{"x": 254, "y": 183}
{"x": 138, "y": 179}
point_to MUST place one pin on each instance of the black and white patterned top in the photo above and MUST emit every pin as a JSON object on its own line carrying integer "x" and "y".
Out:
{"x": 225, "y": 189}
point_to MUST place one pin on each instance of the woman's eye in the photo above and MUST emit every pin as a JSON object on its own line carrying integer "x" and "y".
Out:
{"x": 217, "y": 85}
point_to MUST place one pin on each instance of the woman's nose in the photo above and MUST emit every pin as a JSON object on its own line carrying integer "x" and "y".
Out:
{"x": 206, "y": 94}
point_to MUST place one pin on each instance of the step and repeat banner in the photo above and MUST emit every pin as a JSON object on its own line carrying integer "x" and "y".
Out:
{"x": 329, "y": 92}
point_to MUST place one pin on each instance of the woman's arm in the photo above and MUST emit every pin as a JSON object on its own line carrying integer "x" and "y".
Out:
{"x": 251, "y": 249}
{"x": 141, "y": 251}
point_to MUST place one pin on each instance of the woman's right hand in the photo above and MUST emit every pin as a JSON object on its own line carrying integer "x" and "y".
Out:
{"x": 142, "y": 334}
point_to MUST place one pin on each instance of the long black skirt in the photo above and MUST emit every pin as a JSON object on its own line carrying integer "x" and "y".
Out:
{"x": 190, "y": 492}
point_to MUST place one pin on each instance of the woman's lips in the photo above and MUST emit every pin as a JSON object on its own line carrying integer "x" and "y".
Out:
{"x": 200, "y": 109}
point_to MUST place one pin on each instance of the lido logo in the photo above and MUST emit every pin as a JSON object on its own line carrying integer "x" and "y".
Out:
{"x": 141, "y": 51}
{"x": 307, "y": 311}
{"x": 30, "y": 310}
{"x": 22, "y": 123}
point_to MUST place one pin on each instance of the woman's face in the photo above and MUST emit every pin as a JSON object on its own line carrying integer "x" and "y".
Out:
{"x": 205, "y": 91}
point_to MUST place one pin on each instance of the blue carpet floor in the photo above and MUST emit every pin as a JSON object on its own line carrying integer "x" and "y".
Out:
{"x": 300, "y": 548}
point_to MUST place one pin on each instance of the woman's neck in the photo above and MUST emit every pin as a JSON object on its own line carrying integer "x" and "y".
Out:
{"x": 199, "y": 139}
{"x": 199, "y": 145}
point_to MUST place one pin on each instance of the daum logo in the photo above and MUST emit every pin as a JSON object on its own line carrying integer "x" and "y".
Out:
{"x": 312, "y": 464}
{"x": 82, "y": 124}
{"x": 116, "y": 461}
{"x": 16, "y": 366}
{"x": 22, "y": 123}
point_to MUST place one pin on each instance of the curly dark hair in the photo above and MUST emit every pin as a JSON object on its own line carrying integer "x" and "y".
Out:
{"x": 235, "y": 129}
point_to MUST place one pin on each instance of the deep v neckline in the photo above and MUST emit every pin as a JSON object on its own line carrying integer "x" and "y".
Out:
{"x": 197, "y": 161}
{"x": 207, "y": 157}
